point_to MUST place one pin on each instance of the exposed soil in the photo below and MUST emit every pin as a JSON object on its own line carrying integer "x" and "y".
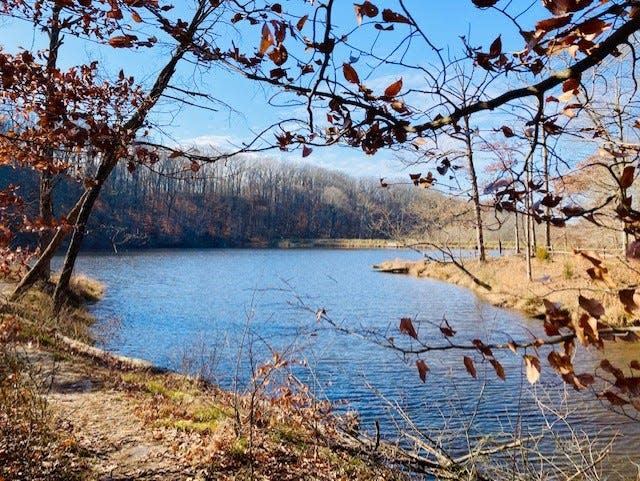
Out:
{"x": 102, "y": 422}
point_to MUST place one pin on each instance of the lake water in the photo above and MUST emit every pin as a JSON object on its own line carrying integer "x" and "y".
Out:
{"x": 230, "y": 308}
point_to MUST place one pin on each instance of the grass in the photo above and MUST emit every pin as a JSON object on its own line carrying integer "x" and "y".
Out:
{"x": 73, "y": 321}
{"x": 559, "y": 278}
{"x": 86, "y": 289}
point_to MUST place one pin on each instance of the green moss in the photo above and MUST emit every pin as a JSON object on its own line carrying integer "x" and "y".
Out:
{"x": 154, "y": 386}
{"x": 131, "y": 377}
{"x": 194, "y": 426}
{"x": 210, "y": 413}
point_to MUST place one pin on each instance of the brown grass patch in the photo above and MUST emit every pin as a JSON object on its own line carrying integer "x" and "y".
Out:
{"x": 558, "y": 278}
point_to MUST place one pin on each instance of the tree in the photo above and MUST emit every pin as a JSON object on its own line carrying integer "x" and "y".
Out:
{"x": 104, "y": 120}
{"x": 564, "y": 42}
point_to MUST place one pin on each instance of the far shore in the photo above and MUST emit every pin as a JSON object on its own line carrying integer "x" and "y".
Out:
{"x": 560, "y": 278}
{"x": 288, "y": 243}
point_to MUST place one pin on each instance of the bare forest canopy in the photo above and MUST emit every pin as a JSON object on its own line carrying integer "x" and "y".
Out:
{"x": 238, "y": 203}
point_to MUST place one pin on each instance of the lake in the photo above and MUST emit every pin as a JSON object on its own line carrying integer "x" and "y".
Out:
{"x": 223, "y": 312}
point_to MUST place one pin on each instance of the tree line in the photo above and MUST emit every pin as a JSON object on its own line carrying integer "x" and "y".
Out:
{"x": 238, "y": 203}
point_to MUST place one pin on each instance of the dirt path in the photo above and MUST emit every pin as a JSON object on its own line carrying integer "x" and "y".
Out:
{"x": 104, "y": 426}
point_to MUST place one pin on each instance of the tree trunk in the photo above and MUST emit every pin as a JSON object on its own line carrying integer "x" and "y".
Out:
{"x": 86, "y": 206}
{"x": 517, "y": 234}
{"x": 111, "y": 156}
{"x": 547, "y": 210}
{"x": 475, "y": 193}
{"x": 44, "y": 261}
{"x": 45, "y": 201}
{"x": 528, "y": 220}
{"x": 46, "y": 215}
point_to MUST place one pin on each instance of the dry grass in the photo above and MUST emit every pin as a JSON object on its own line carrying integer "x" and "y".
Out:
{"x": 86, "y": 288}
{"x": 83, "y": 289}
{"x": 31, "y": 445}
{"x": 560, "y": 278}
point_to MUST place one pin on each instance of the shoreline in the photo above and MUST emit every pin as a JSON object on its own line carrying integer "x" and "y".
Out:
{"x": 85, "y": 413}
{"x": 560, "y": 278}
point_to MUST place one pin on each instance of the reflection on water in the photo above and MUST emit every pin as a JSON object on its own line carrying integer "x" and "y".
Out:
{"x": 200, "y": 306}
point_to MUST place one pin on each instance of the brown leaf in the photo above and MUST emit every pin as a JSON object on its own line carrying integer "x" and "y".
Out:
{"x": 367, "y": 9}
{"x": 468, "y": 364}
{"x": 301, "y": 22}
{"x": 512, "y": 346}
{"x": 635, "y": 365}
{"x": 121, "y": 41}
{"x": 498, "y": 368}
{"x": 633, "y": 251}
{"x": 406, "y": 327}
{"x": 350, "y": 74}
{"x": 423, "y": 369}
{"x": 496, "y": 47}
{"x": 560, "y": 362}
{"x": 586, "y": 379}
{"x": 507, "y": 131}
{"x": 393, "y": 17}
{"x": 484, "y": 3}
{"x": 560, "y": 7}
{"x": 571, "y": 85}
{"x": 485, "y": 350}
{"x": 532, "y": 368}
{"x": 393, "y": 89}
{"x": 593, "y": 26}
{"x": 553, "y": 23}
{"x": 279, "y": 55}
{"x": 591, "y": 258}
{"x": 555, "y": 315}
{"x": 613, "y": 398}
{"x": 592, "y": 306}
{"x": 606, "y": 366}
{"x": 626, "y": 298}
{"x": 266, "y": 40}
{"x": 447, "y": 331}
{"x": 626, "y": 180}
{"x": 306, "y": 151}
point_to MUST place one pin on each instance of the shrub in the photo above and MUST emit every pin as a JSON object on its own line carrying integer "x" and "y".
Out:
{"x": 542, "y": 253}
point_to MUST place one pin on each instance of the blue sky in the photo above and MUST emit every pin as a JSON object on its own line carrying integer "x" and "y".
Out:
{"x": 443, "y": 22}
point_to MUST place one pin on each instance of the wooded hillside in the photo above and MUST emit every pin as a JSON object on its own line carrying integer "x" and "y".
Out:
{"x": 237, "y": 203}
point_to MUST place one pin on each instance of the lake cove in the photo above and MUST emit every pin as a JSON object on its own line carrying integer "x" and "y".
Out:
{"x": 227, "y": 311}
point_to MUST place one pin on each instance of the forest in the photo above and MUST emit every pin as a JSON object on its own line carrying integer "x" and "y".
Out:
{"x": 239, "y": 203}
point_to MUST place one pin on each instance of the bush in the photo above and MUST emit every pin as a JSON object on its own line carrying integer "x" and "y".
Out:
{"x": 542, "y": 253}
